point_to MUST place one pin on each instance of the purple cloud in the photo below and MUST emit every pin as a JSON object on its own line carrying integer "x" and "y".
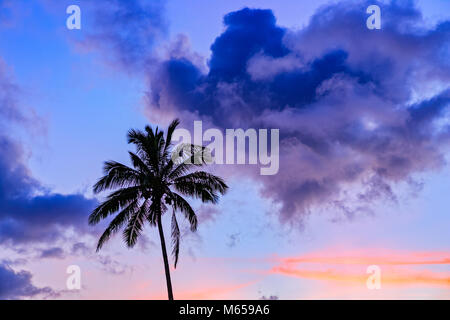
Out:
{"x": 124, "y": 31}
{"x": 358, "y": 110}
{"x": 28, "y": 217}
{"x": 54, "y": 252}
{"x": 28, "y": 211}
{"x": 16, "y": 285}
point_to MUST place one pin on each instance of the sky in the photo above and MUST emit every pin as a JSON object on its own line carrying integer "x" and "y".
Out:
{"x": 364, "y": 126}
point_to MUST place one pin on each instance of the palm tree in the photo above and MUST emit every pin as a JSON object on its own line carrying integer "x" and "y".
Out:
{"x": 158, "y": 178}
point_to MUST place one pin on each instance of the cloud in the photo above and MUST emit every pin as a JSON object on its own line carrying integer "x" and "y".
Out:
{"x": 207, "y": 213}
{"x": 233, "y": 239}
{"x": 392, "y": 278}
{"x": 29, "y": 212}
{"x": 113, "y": 266}
{"x": 125, "y": 32}
{"x": 81, "y": 248}
{"x": 54, "y": 252}
{"x": 16, "y": 285}
{"x": 248, "y": 32}
{"x": 26, "y": 215}
{"x": 398, "y": 268}
{"x": 8, "y": 95}
{"x": 372, "y": 256}
{"x": 359, "y": 110}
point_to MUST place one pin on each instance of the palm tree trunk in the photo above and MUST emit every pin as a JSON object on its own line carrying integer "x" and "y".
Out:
{"x": 166, "y": 260}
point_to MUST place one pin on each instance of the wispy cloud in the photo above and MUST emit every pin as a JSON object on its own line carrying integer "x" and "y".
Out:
{"x": 372, "y": 256}
{"x": 398, "y": 268}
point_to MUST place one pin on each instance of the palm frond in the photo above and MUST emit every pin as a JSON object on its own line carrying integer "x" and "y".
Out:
{"x": 184, "y": 158}
{"x": 117, "y": 175}
{"x": 170, "y": 130}
{"x": 179, "y": 203}
{"x": 119, "y": 220}
{"x": 209, "y": 180}
{"x": 157, "y": 142}
{"x": 114, "y": 202}
{"x": 135, "y": 225}
{"x": 139, "y": 138}
{"x": 175, "y": 238}
{"x": 197, "y": 190}
{"x": 139, "y": 164}
{"x": 153, "y": 212}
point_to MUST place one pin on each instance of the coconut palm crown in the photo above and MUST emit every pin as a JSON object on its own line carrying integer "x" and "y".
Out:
{"x": 158, "y": 180}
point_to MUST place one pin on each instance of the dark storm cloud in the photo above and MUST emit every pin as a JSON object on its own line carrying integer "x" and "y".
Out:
{"x": 248, "y": 32}
{"x": 17, "y": 285}
{"x": 358, "y": 110}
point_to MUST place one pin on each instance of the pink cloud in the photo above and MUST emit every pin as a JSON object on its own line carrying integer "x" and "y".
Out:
{"x": 398, "y": 268}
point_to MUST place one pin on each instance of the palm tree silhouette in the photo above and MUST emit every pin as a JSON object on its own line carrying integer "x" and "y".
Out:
{"x": 157, "y": 180}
